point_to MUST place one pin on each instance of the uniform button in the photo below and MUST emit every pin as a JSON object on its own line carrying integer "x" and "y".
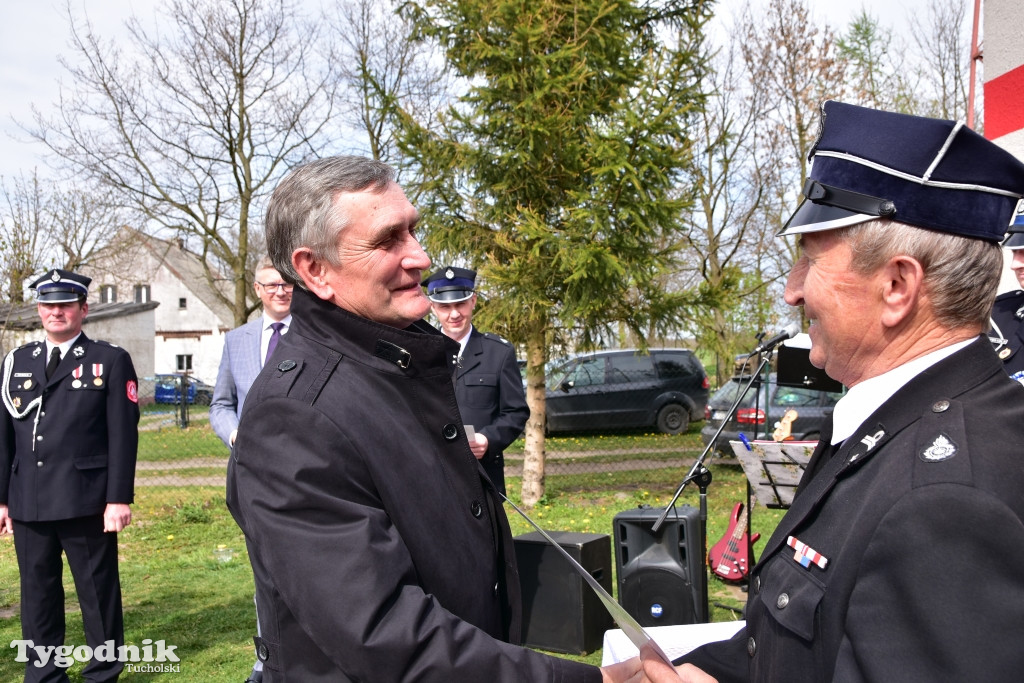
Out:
{"x": 39, "y": 463}
{"x": 757, "y": 583}
{"x": 940, "y": 406}
{"x": 495, "y": 590}
{"x": 751, "y": 646}
{"x": 450, "y": 432}
{"x": 477, "y": 509}
{"x": 782, "y": 601}
{"x": 39, "y": 438}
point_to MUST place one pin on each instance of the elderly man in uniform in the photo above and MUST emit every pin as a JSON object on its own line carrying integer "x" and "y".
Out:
{"x": 1007, "y": 333}
{"x": 380, "y": 549}
{"x": 68, "y": 443}
{"x": 488, "y": 385}
{"x": 900, "y": 557}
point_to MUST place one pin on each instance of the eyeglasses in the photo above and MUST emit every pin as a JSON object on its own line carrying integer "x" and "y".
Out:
{"x": 275, "y": 286}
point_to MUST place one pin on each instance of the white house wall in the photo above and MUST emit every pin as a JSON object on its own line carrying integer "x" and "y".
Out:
{"x": 194, "y": 329}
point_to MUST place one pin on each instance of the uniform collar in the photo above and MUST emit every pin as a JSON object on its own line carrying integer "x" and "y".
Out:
{"x": 866, "y": 397}
{"x": 64, "y": 347}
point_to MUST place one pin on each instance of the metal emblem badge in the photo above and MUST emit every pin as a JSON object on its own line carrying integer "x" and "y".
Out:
{"x": 1004, "y": 353}
{"x": 449, "y": 273}
{"x": 78, "y": 351}
{"x": 941, "y": 449}
{"x": 27, "y": 384}
{"x": 55, "y": 276}
{"x": 38, "y": 350}
{"x": 16, "y": 401}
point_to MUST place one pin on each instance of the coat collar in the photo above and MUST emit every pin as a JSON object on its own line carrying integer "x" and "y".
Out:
{"x": 416, "y": 350}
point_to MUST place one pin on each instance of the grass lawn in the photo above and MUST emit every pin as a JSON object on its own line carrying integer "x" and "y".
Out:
{"x": 176, "y": 590}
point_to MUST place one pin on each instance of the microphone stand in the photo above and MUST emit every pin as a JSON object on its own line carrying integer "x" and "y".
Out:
{"x": 702, "y": 475}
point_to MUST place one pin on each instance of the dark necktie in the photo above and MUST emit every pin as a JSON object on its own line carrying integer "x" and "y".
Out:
{"x": 275, "y": 336}
{"x": 54, "y": 361}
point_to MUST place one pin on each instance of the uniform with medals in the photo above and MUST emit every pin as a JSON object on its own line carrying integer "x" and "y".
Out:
{"x": 899, "y": 558}
{"x": 68, "y": 445}
{"x": 1007, "y": 333}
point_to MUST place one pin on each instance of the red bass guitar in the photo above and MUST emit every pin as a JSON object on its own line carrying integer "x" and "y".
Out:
{"x": 729, "y": 558}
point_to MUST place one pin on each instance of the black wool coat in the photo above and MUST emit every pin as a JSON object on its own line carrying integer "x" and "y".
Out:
{"x": 379, "y": 548}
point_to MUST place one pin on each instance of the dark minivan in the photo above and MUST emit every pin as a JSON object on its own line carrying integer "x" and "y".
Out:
{"x": 627, "y": 389}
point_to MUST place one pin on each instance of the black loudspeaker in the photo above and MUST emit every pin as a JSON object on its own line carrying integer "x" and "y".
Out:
{"x": 661, "y": 576}
{"x": 561, "y": 612}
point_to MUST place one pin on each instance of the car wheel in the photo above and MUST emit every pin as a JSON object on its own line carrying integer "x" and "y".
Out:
{"x": 673, "y": 419}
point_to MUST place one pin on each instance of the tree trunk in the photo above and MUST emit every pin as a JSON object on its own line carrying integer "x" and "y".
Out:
{"x": 534, "y": 453}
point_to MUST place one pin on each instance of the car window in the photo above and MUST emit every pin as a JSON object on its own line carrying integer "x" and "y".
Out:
{"x": 586, "y": 372}
{"x": 832, "y": 397}
{"x": 796, "y": 396}
{"x": 627, "y": 368}
{"x": 676, "y": 364}
{"x": 730, "y": 390}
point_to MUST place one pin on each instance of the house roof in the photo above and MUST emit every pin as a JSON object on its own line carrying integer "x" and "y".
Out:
{"x": 26, "y": 316}
{"x": 186, "y": 266}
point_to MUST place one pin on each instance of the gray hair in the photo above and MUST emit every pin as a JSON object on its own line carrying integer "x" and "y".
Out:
{"x": 302, "y": 212}
{"x": 961, "y": 274}
{"x": 263, "y": 264}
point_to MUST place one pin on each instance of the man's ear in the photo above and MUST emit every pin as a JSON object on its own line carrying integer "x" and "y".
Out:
{"x": 902, "y": 289}
{"x": 313, "y": 272}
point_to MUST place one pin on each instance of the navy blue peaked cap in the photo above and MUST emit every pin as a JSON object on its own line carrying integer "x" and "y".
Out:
{"x": 450, "y": 285}
{"x": 1015, "y": 233}
{"x": 61, "y": 286}
{"x": 930, "y": 173}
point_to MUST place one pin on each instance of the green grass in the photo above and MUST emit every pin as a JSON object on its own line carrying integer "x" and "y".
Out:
{"x": 176, "y": 590}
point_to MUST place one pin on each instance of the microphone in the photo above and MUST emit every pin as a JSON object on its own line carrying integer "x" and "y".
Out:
{"x": 787, "y": 332}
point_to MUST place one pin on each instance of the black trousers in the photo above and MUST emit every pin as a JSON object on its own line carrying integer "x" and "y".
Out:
{"x": 92, "y": 556}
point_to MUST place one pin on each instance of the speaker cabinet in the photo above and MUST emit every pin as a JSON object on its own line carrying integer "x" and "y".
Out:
{"x": 561, "y": 612}
{"x": 661, "y": 577}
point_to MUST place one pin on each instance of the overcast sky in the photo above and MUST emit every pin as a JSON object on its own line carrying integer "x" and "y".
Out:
{"x": 34, "y": 32}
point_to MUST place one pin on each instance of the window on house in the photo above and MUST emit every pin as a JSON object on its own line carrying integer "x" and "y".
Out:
{"x": 182, "y": 303}
{"x": 141, "y": 294}
{"x": 184, "y": 361}
{"x": 108, "y": 294}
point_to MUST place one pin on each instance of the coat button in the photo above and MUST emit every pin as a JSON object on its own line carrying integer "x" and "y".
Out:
{"x": 39, "y": 438}
{"x": 450, "y": 432}
{"x": 39, "y": 463}
{"x": 495, "y": 590}
{"x": 757, "y": 583}
{"x": 782, "y": 601}
{"x": 940, "y": 406}
{"x": 262, "y": 652}
{"x": 751, "y": 646}
{"x": 477, "y": 509}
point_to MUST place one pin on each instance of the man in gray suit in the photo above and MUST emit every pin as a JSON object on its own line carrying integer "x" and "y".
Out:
{"x": 246, "y": 350}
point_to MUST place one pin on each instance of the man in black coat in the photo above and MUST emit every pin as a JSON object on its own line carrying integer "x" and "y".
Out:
{"x": 488, "y": 384}
{"x": 68, "y": 444}
{"x": 1007, "y": 333}
{"x": 900, "y": 557}
{"x": 380, "y": 549}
